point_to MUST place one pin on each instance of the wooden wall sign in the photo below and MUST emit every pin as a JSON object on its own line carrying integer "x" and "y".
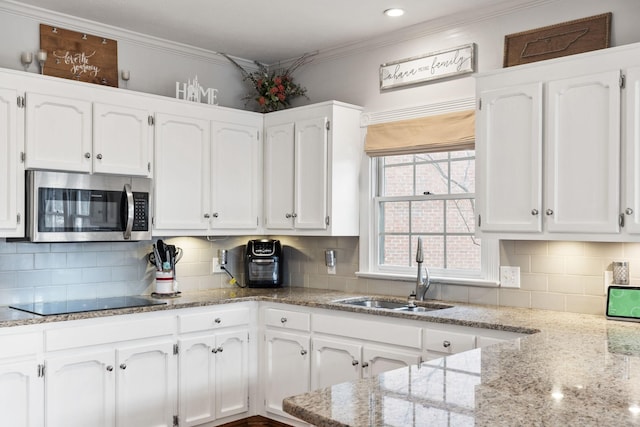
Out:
{"x": 79, "y": 56}
{"x": 567, "y": 38}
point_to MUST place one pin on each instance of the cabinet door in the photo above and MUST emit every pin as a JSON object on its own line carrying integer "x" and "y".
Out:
{"x": 235, "y": 176}
{"x": 197, "y": 381}
{"x": 311, "y": 151}
{"x": 80, "y": 390}
{"x": 21, "y": 393}
{"x": 232, "y": 373}
{"x": 631, "y": 176}
{"x": 58, "y": 133}
{"x": 377, "y": 360}
{"x": 146, "y": 385}
{"x": 287, "y": 357}
{"x": 509, "y": 154}
{"x": 181, "y": 173}
{"x": 11, "y": 168}
{"x": 334, "y": 362}
{"x": 278, "y": 176}
{"x": 121, "y": 140}
{"x": 583, "y": 154}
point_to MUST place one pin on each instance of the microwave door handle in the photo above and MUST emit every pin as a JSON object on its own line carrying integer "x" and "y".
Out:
{"x": 130, "y": 212}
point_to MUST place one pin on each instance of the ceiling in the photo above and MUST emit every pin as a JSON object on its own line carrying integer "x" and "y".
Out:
{"x": 267, "y": 31}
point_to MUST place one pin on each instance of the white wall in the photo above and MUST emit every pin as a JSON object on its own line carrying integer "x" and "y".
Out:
{"x": 350, "y": 74}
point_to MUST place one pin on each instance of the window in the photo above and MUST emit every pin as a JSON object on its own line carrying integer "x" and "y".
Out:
{"x": 430, "y": 195}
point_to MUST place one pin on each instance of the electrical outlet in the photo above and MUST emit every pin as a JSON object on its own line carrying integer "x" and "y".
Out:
{"x": 215, "y": 266}
{"x": 510, "y": 277}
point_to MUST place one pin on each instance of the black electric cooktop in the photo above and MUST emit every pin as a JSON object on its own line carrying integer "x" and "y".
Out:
{"x": 84, "y": 305}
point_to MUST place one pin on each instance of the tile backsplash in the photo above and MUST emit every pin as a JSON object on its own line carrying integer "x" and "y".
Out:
{"x": 560, "y": 276}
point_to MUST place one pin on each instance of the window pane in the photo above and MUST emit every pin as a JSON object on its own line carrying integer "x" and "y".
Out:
{"x": 395, "y": 217}
{"x": 460, "y": 216}
{"x": 463, "y": 253}
{"x": 432, "y": 177}
{"x": 427, "y": 217}
{"x": 398, "y": 181}
{"x": 463, "y": 176}
{"x": 395, "y": 250}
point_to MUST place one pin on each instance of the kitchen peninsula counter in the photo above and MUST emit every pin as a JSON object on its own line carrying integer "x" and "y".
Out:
{"x": 572, "y": 369}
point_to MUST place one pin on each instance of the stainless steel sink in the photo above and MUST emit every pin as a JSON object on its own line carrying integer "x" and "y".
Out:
{"x": 378, "y": 303}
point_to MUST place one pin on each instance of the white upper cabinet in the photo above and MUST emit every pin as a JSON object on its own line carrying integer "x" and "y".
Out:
{"x": 122, "y": 140}
{"x": 181, "y": 173}
{"x": 583, "y": 154}
{"x": 11, "y": 166}
{"x": 312, "y": 161}
{"x": 511, "y": 119}
{"x": 631, "y": 153}
{"x": 58, "y": 133}
{"x": 236, "y": 171}
{"x": 549, "y": 146}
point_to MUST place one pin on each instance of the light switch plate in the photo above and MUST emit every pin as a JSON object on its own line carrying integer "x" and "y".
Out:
{"x": 215, "y": 266}
{"x": 510, "y": 277}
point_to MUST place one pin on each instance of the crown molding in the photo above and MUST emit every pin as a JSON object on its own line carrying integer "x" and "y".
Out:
{"x": 377, "y": 117}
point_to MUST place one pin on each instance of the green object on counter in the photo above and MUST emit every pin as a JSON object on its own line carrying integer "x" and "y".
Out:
{"x": 623, "y": 303}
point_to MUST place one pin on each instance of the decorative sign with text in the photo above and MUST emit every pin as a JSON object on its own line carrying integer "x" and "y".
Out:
{"x": 432, "y": 66}
{"x": 192, "y": 91}
{"x": 79, "y": 56}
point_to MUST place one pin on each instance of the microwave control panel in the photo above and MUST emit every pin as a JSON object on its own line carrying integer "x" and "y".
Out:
{"x": 140, "y": 211}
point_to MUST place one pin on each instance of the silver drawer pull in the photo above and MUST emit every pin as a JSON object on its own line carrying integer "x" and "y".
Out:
{"x": 549, "y": 212}
{"x": 303, "y": 352}
{"x": 217, "y": 320}
{"x": 110, "y": 368}
{"x": 123, "y": 366}
{"x": 365, "y": 364}
{"x": 446, "y": 344}
{"x": 628, "y": 211}
{"x": 534, "y": 212}
{"x": 355, "y": 363}
{"x": 283, "y": 320}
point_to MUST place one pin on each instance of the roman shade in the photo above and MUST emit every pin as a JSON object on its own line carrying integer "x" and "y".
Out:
{"x": 442, "y": 132}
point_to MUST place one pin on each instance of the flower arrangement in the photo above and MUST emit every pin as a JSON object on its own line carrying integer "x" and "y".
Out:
{"x": 275, "y": 88}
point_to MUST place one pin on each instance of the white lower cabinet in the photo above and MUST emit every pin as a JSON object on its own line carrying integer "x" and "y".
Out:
{"x": 214, "y": 365}
{"x": 334, "y": 361}
{"x": 21, "y": 384}
{"x": 133, "y": 385}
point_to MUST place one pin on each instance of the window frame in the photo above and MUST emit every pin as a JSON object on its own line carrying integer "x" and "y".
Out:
{"x": 487, "y": 276}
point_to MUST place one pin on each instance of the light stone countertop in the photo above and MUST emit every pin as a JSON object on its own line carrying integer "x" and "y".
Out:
{"x": 578, "y": 370}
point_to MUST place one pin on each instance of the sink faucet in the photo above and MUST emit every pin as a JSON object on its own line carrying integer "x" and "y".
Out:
{"x": 422, "y": 280}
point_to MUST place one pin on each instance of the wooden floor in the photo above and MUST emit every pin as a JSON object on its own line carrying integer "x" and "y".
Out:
{"x": 256, "y": 421}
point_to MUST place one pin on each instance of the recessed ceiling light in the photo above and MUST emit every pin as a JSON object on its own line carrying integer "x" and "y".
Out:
{"x": 394, "y": 12}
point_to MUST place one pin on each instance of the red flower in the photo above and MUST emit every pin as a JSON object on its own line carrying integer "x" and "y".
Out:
{"x": 277, "y": 80}
{"x": 281, "y": 97}
{"x": 259, "y": 83}
{"x": 273, "y": 90}
{"x": 281, "y": 88}
{"x": 261, "y": 100}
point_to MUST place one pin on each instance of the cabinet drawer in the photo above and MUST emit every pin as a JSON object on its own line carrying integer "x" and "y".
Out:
{"x": 287, "y": 319}
{"x": 370, "y": 330}
{"x": 448, "y": 342}
{"x": 214, "y": 319}
{"x": 108, "y": 331}
{"x": 19, "y": 345}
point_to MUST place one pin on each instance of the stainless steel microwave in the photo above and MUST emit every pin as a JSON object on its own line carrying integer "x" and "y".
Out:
{"x": 74, "y": 207}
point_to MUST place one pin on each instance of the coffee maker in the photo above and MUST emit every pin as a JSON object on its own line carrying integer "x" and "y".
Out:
{"x": 263, "y": 263}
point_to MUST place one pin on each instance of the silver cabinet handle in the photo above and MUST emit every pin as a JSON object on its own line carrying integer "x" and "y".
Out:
{"x": 288, "y": 215}
{"x": 123, "y": 366}
{"x": 365, "y": 364}
{"x": 99, "y": 157}
{"x": 303, "y": 352}
{"x": 446, "y": 344}
{"x": 214, "y": 350}
{"x": 219, "y": 350}
{"x": 294, "y": 215}
{"x": 283, "y": 320}
{"x": 534, "y": 212}
{"x": 549, "y": 212}
{"x": 207, "y": 216}
{"x": 110, "y": 368}
{"x": 217, "y": 320}
{"x": 215, "y": 214}
{"x": 355, "y": 363}
{"x": 87, "y": 155}
{"x": 628, "y": 211}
